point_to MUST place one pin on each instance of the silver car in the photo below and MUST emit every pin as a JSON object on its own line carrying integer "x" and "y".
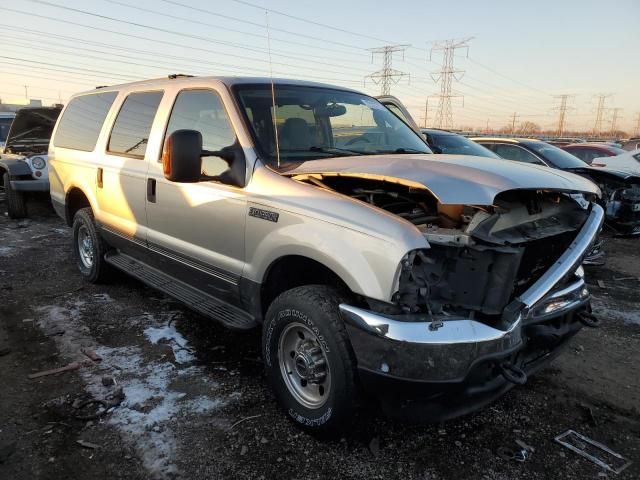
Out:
{"x": 432, "y": 282}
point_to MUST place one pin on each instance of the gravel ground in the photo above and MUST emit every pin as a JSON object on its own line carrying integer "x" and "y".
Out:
{"x": 196, "y": 404}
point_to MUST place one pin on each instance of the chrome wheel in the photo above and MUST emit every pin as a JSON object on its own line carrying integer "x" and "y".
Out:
{"x": 304, "y": 366}
{"x": 85, "y": 247}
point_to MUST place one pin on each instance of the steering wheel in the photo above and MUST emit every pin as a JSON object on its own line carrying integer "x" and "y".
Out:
{"x": 357, "y": 140}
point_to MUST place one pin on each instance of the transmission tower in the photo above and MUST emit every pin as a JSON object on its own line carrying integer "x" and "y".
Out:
{"x": 387, "y": 75}
{"x": 615, "y": 118}
{"x": 562, "y": 112}
{"x": 444, "y": 114}
{"x": 514, "y": 117}
{"x": 597, "y": 127}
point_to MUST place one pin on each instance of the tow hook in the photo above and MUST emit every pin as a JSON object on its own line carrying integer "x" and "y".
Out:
{"x": 513, "y": 373}
{"x": 588, "y": 319}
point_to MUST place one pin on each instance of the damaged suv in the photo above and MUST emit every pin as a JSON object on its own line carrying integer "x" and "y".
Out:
{"x": 434, "y": 283}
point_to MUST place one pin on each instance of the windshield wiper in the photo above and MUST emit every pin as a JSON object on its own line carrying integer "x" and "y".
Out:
{"x": 323, "y": 150}
{"x": 399, "y": 150}
{"x": 336, "y": 150}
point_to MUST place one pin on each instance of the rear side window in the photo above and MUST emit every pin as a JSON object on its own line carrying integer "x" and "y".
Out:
{"x": 202, "y": 110}
{"x": 82, "y": 121}
{"x": 132, "y": 127}
{"x": 513, "y": 152}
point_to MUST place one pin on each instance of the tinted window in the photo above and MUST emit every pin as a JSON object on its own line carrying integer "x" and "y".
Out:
{"x": 82, "y": 121}
{"x": 514, "y": 152}
{"x": 202, "y": 110}
{"x": 457, "y": 145}
{"x": 132, "y": 127}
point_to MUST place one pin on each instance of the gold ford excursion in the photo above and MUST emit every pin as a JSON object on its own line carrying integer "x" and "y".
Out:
{"x": 433, "y": 283}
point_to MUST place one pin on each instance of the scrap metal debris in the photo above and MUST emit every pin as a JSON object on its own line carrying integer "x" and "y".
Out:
{"x": 85, "y": 444}
{"x": 54, "y": 371}
{"x": 594, "y": 451}
{"x": 520, "y": 454}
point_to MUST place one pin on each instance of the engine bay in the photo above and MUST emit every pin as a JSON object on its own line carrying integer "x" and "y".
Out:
{"x": 480, "y": 257}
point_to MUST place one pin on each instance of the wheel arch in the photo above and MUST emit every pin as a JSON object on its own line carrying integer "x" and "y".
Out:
{"x": 291, "y": 271}
{"x": 75, "y": 199}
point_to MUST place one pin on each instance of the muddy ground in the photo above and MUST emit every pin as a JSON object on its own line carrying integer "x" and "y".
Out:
{"x": 196, "y": 405}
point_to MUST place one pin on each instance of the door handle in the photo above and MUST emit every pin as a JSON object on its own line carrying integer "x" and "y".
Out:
{"x": 151, "y": 190}
{"x": 99, "y": 177}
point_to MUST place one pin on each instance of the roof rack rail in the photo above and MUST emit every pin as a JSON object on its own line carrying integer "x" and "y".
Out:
{"x": 101, "y": 86}
{"x": 179, "y": 75}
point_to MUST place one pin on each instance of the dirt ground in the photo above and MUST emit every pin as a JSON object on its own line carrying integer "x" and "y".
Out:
{"x": 196, "y": 405}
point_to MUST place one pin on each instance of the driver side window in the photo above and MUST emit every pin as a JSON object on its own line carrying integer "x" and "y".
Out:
{"x": 202, "y": 110}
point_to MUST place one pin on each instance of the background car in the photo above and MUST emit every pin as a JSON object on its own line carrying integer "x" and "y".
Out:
{"x": 588, "y": 151}
{"x": 626, "y": 162}
{"x": 444, "y": 141}
{"x": 620, "y": 190}
{"x": 24, "y": 161}
{"x": 631, "y": 144}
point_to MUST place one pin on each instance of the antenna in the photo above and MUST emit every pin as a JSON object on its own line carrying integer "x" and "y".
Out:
{"x": 273, "y": 91}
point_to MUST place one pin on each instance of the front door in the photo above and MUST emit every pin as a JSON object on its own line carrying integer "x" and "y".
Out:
{"x": 196, "y": 230}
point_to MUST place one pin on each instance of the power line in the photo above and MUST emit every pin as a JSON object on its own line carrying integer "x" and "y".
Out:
{"x": 444, "y": 114}
{"x": 387, "y": 75}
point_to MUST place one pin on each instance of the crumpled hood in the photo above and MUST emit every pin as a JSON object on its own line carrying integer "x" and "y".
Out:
{"x": 31, "y": 129}
{"x": 453, "y": 179}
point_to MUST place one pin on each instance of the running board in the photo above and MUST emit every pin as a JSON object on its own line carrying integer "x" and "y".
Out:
{"x": 201, "y": 302}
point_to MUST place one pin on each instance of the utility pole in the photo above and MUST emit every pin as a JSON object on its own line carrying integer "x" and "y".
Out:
{"x": 26, "y": 92}
{"x": 614, "y": 120}
{"x": 562, "y": 109}
{"x": 387, "y": 75}
{"x": 444, "y": 114}
{"x": 486, "y": 130}
{"x": 597, "y": 127}
{"x": 637, "y": 131}
{"x": 514, "y": 117}
{"x": 426, "y": 112}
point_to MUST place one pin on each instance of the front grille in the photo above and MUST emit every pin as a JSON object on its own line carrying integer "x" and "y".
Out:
{"x": 539, "y": 256}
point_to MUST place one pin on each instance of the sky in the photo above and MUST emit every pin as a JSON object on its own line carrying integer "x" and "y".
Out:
{"x": 521, "y": 54}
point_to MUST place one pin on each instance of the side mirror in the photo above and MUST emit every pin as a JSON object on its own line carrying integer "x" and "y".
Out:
{"x": 182, "y": 156}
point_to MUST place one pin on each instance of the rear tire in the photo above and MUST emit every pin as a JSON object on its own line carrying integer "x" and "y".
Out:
{"x": 89, "y": 248}
{"x": 16, "y": 201}
{"x": 309, "y": 362}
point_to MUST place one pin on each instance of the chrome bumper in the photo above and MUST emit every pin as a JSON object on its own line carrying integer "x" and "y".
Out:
{"x": 418, "y": 349}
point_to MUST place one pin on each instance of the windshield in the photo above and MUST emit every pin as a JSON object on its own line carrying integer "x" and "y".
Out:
{"x": 558, "y": 157}
{"x": 457, "y": 145}
{"x": 5, "y": 124}
{"x": 315, "y": 123}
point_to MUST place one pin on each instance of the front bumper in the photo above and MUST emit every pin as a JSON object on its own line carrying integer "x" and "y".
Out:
{"x": 418, "y": 349}
{"x": 30, "y": 185}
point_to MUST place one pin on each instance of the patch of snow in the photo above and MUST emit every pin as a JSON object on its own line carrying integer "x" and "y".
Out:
{"x": 178, "y": 343}
{"x": 152, "y": 406}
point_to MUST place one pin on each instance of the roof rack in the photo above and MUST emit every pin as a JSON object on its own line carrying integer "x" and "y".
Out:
{"x": 101, "y": 86}
{"x": 173, "y": 76}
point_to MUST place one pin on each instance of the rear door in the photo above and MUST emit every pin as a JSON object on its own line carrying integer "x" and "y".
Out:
{"x": 122, "y": 172}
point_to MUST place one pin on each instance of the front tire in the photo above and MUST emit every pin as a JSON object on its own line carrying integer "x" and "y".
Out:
{"x": 89, "y": 248}
{"x": 309, "y": 362}
{"x": 16, "y": 201}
